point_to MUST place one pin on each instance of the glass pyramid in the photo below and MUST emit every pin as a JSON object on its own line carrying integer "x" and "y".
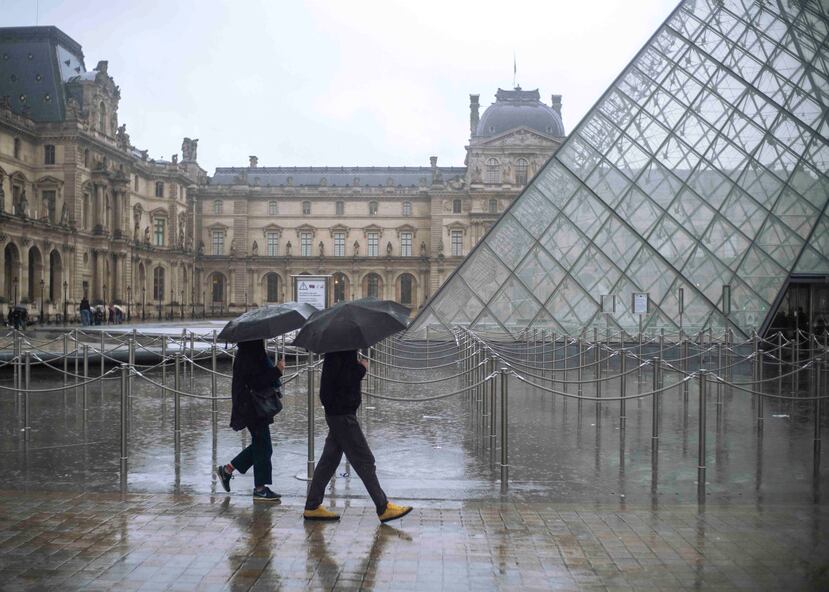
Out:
{"x": 703, "y": 165}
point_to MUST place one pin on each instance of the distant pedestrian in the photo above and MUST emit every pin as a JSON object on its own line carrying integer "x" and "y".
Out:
{"x": 252, "y": 372}
{"x": 340, "y": 393}
{"x": 86, "y": 312}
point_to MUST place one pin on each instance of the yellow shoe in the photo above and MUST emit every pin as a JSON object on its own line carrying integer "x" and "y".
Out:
{"x": 393, "y": 512}
{"x": 320, "y": 513}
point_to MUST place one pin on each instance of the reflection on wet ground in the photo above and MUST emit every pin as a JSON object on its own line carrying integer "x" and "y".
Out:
{"x": 585, "y": 507}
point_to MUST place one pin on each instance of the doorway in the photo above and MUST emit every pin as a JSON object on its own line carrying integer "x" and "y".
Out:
{"x": 804, "y": 307}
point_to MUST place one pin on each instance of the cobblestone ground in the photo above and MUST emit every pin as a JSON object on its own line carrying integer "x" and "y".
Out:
{"x": 97, "y": 541}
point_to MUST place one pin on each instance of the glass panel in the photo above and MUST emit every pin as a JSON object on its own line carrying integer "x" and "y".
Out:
{"x": 514, "y": 306}
{"x": 797, "y": 213}
{"x": 534, "y": 212}
{"x": 638, "y": 211}
{"x": 659, "y": 184}
{"x": 779, "y": 242}
{"x": 618, "y": 242}
{"x": 540, "y": 273}
{"x": 819, "y": 245}
{"x": 564, "y": 242}
{"x": 672, "y": 242}
{"x": 484, "y": 272}
{"x": 586, "y": 212}
{"x": 706, "y": 273}
{"x": 595, "y": 273}
{"x": 457, "y": 304}
{"x": 556, "y": 183}
{"x": 725, "y": 242}
{"x": 762, "y": 273}
{"x": 609, "y": 184}
{"x": 509, "y": 240}
{"x": 691, "y": 212}
{"x": 571, "y": 306}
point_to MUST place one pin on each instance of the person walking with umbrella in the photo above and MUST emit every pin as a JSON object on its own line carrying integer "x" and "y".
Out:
{"x": 252, "y": 372}
{"x": 255, "y": 389}
{"x": 338, "y": 332}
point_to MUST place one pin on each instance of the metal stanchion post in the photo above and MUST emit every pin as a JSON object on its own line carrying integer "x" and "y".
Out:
{"x": 85, "y": 376}
{"x": 214, "y": 404}
{"x": 76, "y": 352}
{"x": 65, "y": 363}
{"x": 163, "y": 366}
{"x": 553, "y": 360}
{"x": 492, "y": 415}
{"x": 655, "y": 409}
{"x": 579, "y": 374}
{"x": 622, "y": 389}
{"x": 28, "y": 378}
{"x": 779, "y": 362}
{"x": 125, "y": 371}
{"x": 103, "y": 346}
{"x": 818, "y": 393}
{"x": 759, "y": 384}
{"x": 193, "y": 360}
{"x": 310, "y": 393}
{"x": 701, "y": 451}
{"x": 504, "y": 427}
{"x": 177, "y": 400}
{"x": 684, "y": 354}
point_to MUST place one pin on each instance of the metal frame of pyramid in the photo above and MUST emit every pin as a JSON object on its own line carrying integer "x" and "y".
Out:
{"x": 702, "y": 166}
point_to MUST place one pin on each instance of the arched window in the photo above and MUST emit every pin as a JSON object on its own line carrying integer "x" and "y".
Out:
{"x": 217, "y": 206}
{"x": 456, "y": 206}
{"x": 102, "y": 117}
{"x": 493, "y": 206}
{"x": 493, "y": 171}
{"x": 407, "y": 208}
{"x": 406, "y": 288}
{"x": 271, "y": 287}
{"x": 372, "y": 208}
{"x": 158, "y": 284}
{"x": 273, "y": 208}
{"x": 521, "y": 167}
{"x": 306, "y": 208}
{"x": 373, "y": 285}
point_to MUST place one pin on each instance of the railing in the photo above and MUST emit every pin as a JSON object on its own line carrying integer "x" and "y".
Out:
{"x": 484, "y": 369}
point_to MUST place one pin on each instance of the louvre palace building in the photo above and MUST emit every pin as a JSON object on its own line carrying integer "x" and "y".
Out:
{"x": 84, "y": 212}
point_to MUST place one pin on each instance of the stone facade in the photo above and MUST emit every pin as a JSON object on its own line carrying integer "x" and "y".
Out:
{"x": 82, "y": 211}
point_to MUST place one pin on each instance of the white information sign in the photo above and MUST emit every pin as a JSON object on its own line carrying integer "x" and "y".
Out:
{"x": 311, "y": 291}
{"x": 640, "y": 303}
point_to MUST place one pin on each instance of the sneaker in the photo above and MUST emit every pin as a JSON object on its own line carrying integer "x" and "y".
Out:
{"x": 320, "y": 513}
{"x": 265, "y": 495}
{"x": 393, "y": 512}
{"x": 224, "y": 477}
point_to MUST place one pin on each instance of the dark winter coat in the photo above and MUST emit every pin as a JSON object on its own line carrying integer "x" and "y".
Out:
{"x": 252, "y": 371}
{"x": 340, "y": 383}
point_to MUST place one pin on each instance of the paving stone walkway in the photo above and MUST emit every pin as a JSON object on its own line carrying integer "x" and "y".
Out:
{"x": 96, "y": 541}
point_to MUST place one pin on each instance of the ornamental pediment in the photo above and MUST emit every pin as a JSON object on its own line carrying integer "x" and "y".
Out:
{"x": 455, "y": 226}
{"x": 406, "y": 228}
{"x": 339, "y": 228}
{"x": 305, "y": 228}
{"x": 48, "y": 180}
{"x": 272, "y": 228}
{"x": 518, "y": 137}
{"x": 372, "y": 228}
{"x": 218, "y": 226}
{"x": 159, "y": 213}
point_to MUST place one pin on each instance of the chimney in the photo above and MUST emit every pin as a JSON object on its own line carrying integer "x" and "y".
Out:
{"x": 473, "y": 114}
{"x": 254, "y": 161}
{"x": 556, "y": 103}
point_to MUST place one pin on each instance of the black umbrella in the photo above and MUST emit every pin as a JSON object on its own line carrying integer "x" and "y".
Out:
{"x": 352, "y": 325}
{"x": 267, "y": 322}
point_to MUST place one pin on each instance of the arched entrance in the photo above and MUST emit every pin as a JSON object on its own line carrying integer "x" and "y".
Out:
{"x": 373, "y": 285}
{"x": 55, "y": 276}
{"x": 217, "y": 284}
{"x": 11, "y": 270}
{"x": 35, "y": 274}
{"x": 339, "y": 288}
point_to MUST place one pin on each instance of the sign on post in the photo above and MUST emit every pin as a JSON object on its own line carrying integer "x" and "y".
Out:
{"x": 311, "y": 289}
{"x": 640, "y": 303}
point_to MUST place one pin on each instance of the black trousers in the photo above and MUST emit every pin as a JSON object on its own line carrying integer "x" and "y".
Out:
{"x": 258, "y": 455}
{"x": 345, "y": 436}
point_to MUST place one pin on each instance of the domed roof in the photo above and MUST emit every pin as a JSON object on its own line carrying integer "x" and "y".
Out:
{"x": 519, "y": 108}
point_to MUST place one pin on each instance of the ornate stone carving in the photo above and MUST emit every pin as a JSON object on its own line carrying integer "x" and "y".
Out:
{"x": 423, "y": 252}
{"x": 255, "y": 249}
{"x": 356, "y": 248}
{"x": 189, "y": 150}
{"x": 388, "y": 249}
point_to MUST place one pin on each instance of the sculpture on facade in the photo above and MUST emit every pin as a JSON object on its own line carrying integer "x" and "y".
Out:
{"x": 422, "y": 248}
{"x": 122, "y": 137}
{"x": 255, "y": 249}
{"x": 288, "y": 249}
{"x": 322, "y": 249}
{"x": 22, "y": 204}
{"x": 146, "y": 235}
{"x": 440, "y": 248}
{"x": 2, "y": 197}
{"x": 356, "y": 249}
{"x": 388, "y": 249}
{"x": 233, "y": 248}
{"x": 200, "y": 251}
{"x": 189, "y": 150}
{"x": 64, "y": 216}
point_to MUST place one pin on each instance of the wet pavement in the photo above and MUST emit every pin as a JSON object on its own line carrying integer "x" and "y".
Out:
{"x": 584, "y": 507}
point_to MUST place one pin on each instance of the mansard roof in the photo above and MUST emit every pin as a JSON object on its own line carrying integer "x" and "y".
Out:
{"x": 332, "y": 176}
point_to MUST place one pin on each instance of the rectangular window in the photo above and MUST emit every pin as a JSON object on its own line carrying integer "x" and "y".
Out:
{"x": 305, "y": 244}
{"x": 339, "y": 244}
{"x": 273, "y": 208}
{"x": 340, "y": 208}
{"x": 456, "y": 206}
{"x": 49, "y": 154}
{"x": 159, "y": 232}
{"x": 457, "y": 243}
{"x": 406, "y": 244}
{"x": 218, "y": 242}
{"x": 49, "y": 202}
{"x": 306, "y": 208}
{"x": 159, "y": 189}
{"x": 373, "y": 244}
{"x": 273, "y": 244}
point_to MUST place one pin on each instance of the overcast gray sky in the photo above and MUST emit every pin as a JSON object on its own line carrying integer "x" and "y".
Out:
{"x": 339, "y": 82}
